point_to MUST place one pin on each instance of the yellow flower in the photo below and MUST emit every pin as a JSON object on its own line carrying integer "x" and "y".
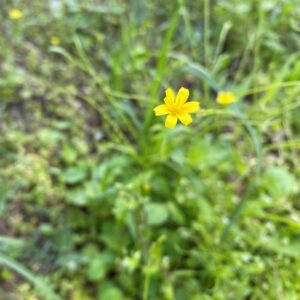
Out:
{"x": 226, "y": 98}
{"x": 177, "y": 108}
{"x": 15, "y": 14}
{"x": 147, "y": 187}
{"x": 55, "y": 40}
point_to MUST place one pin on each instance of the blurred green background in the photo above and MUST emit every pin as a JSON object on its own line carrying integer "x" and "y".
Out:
{"x": 98, "y": 200}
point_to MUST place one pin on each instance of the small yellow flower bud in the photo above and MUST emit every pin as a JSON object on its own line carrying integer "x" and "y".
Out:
{"x": 55, "y": 40}
{"x": 226, "y": 98}
{"x": 15, "y": 14}
{"x": 147, "y": 187}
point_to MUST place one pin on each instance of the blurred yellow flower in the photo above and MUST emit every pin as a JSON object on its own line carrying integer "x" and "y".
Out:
{"x": 177, "y": 108}
{"x": 15, "y": 14}
{"x": 147, "y": 187}
{"x": 226, "y": 98}
{"x": 55, "y": 40}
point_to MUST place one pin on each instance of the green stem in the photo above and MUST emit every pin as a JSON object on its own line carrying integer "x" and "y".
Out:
{"x": 147, "y": 286}
{"x": 272, "y": 86}
{"x": 206, "y": 43}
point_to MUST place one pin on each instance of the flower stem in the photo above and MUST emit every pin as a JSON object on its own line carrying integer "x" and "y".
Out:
{"x": 147, "y": 285}
{"x": 206, "y": 42}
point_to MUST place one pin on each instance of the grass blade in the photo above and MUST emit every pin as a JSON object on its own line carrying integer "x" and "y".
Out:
{"x": 41, "y": 287}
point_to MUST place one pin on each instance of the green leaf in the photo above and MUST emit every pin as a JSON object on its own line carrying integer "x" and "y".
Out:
{"x": 77, "y": 197}
{"x": 42, "y": 288}
{"x": 75, "y": 175}
{"x": 108, "y": 290}
{"x": 278, "y": 182}
{"x": 98, "y": 267}
{"x": 156, "y": 213}
{"x": 175, "y": 213}
{"x": 290, "y": 249}
{"x": 69, "y": 154}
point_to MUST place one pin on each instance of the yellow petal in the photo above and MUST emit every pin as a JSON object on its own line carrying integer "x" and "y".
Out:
{"x": 225, "y": 98}
{"x": 171, "y": 121}
{"x": 185, "y": 118}
{"x": 169, "y": 96}
{"x": 191, "y": 106}
{"x": 170, "y": 93}
{"x": 182, "y": 95}
{"x": 161, "y": 110}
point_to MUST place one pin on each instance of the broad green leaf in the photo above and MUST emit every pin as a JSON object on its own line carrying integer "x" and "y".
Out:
{"x": 98, "y": 267}
{"x": 75, "y": 175}
{"x": 278, "y": 182}
{"x": 108, "y": 291}
{"x": 77, "y": 197}
{"x": 156, "y": 213}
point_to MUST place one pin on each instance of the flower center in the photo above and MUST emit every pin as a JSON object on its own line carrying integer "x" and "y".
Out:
{"x": 174, "y": 109}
